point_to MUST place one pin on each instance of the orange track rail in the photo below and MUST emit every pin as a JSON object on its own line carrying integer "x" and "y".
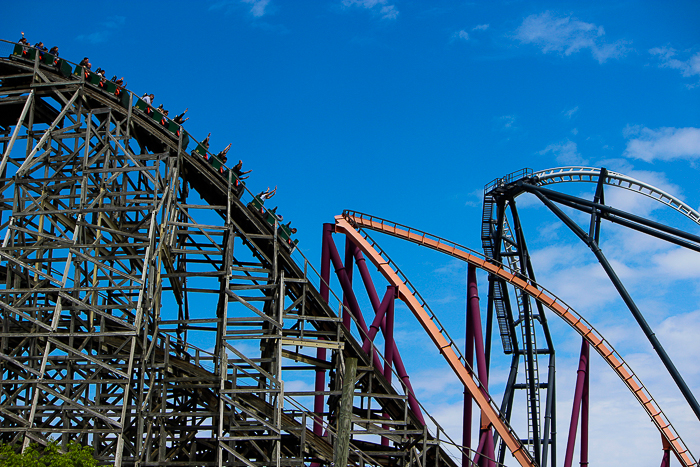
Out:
{"x": 351, "y": 224}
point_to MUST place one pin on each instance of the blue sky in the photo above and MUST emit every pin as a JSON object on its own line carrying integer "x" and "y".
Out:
{"x": 407, "y": 109}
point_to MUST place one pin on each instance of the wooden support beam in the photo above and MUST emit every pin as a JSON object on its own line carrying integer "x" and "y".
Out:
{"x": 342, "y": 442}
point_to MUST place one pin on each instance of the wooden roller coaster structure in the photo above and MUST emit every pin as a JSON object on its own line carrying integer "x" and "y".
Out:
{"x": 153, "y": 308}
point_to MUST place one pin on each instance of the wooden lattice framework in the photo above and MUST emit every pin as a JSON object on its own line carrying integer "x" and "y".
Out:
{"x": 149, "y": 312}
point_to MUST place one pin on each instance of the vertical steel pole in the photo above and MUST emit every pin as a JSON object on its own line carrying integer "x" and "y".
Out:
{"x": 468, "y": 407}
{"x": 473, "y": 294}
{"x": 666, "y": 459}
{"x": 320, "y": 382}
{"x": 584, "y": 408}
{"x": 529, "y": 338}
{"x": 548, "y": 440}
{"x": 389, "y": 345}
{"x": 578, "y": 394}
{"x": 478, "y": 339}
{"x": 349, "y": 255}
{"x": 389, "y": 334}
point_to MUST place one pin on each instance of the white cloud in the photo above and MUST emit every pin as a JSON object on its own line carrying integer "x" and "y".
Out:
{"x": 461, "y": 34}
{"x": 436, "y": 382}
{"x": 508, "y": 121}
{"x": 475, "y": 198}
{"x": 568, "y": 35}
{"x": 667, "y": 59}
{"x": 664, "y": 144}
{"x": 297, "y": 385}
{"x": 257, "y": 8}
{"x": 386, "y": 10}
{"x": 389, "y": 12}
{"x": 106, "y": 29}
{"x": 549, "y": 232}
{"x": 565, "y": 153}
{"x": 570, "y": 113}
{"x": 679, "y": 263}
{"x": 453, "y": 267}
{"x": 684, "y": 346}
{"x": 480, "y": 27}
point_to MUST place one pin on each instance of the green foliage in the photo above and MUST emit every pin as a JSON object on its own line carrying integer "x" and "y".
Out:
{"x": 50, "y": 456}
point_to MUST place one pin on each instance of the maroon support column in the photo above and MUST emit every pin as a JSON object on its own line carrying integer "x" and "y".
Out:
{"x": 584, "y": 410}
{"x": 367, "y": 279}
{"x": 475, "y": 321}
{"x": 468, "y": 407}
{"x": 349, "y": 255}
{"x": 387, "y": 301}
{"x": 666, "y": 459}
{"x": 320, "y": 382}
{"x": 397, "y": 360}
{"x": 578, "y": 395}
{"x": 479, "y": 448}
{"x": 388, "y": 343}
{"x": 473, "y": 295}
{"x": 350, "y": 294}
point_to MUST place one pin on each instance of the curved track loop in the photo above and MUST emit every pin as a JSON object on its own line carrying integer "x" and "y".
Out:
{"x": 591, "y": 174}
{"x": 353, "y": 222}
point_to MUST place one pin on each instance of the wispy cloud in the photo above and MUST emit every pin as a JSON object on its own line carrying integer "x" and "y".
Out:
{"x": 663, "y": 144}
{"x": 570, "y": 113}
{"x": 106, "y": 29}
{"x": 567, "y": 35}
{"x": 508, "y": 122}
{"x": 381, "y": 7}
{"x": 475, "y": 198}
{"x": 668, "y": 58}
{"x": 257, "y": 7}
{"x": 565, "y": 152}
{"x": 461, "y": 34}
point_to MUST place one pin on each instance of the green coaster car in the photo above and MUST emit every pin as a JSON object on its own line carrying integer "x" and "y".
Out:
{"x": 63, "y": 68}
{"x": 202, "y": 151}
{"x": 47, "y": 59}
{"x": 257, "y": 204}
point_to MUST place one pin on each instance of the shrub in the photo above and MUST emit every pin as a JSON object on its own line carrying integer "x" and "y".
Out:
{"x": 49, "y": 456}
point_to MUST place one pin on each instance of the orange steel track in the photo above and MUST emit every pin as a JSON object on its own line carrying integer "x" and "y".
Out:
{"x": 351, "y": 223}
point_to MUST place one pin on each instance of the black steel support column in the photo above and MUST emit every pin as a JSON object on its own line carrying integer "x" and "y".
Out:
{"x": 507, "y": 403}
{"x": 528, "y": 344}
{"x": 548, "y": 421}
{"x": 661, "y": 352}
